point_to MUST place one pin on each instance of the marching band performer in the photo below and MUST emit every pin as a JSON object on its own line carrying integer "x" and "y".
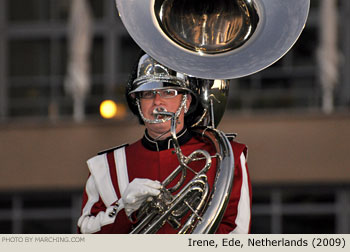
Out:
{"x": 121, "y": 179}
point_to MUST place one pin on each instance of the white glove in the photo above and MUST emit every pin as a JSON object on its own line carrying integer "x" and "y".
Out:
{"x": 137, "y": 192}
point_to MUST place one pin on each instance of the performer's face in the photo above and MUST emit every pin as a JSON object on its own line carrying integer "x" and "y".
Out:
{"x": 171, "y": 105}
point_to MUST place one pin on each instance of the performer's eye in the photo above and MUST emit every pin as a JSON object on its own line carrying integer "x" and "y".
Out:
{"x": 169, "y": 93}
{"x": 147, "y": 94}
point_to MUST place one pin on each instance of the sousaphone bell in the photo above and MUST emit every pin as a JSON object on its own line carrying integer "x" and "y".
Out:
{"x": 221, "y": 39}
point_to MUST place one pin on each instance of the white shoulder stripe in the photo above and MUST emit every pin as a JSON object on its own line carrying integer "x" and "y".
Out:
{"x": 122, "y": 170}
{"x": 243, "y": 211}
{"x": 99, "y": 169}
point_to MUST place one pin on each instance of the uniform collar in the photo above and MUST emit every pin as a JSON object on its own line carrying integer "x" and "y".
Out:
{"x": 158, "y": 145}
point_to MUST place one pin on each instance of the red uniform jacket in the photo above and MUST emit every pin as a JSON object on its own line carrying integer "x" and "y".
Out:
{"x": 147, "y": 159}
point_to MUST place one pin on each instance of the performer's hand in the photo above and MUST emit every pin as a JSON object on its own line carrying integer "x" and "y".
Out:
{"x": 137, "y": 192}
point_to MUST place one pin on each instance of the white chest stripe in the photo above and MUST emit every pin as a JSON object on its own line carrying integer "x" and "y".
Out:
{"x": 121, "y": 169}
{"x": 99, "y": 169}
{"x": 243, "y": 211}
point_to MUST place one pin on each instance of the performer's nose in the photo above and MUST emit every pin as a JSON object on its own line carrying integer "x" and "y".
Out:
{"x": 157, "y": 99}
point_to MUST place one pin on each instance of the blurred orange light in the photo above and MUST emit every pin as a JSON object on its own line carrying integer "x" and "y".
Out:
{"x": 108, "y": 109}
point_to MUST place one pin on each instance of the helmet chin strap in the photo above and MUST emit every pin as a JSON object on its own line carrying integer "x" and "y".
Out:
{"x": 157, "y": 120}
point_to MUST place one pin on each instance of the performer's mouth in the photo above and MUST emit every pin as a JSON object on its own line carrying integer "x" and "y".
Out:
{"x": 157, "y": 110}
